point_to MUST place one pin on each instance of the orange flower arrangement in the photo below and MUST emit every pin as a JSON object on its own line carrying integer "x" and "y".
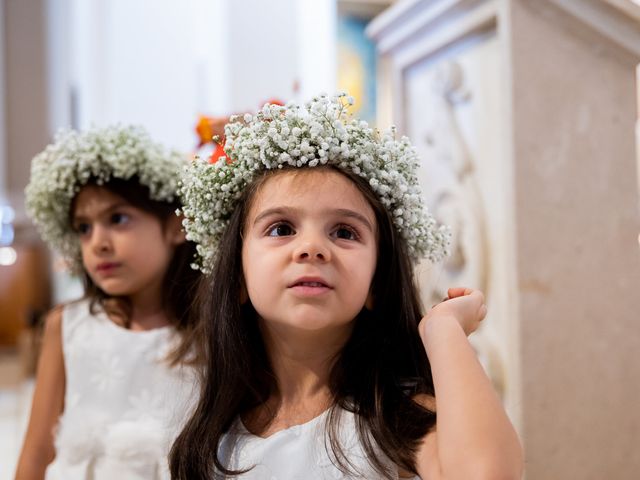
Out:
{"x": 211, "y": 130}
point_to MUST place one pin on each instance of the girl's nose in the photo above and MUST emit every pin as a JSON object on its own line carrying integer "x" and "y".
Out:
{"x": 312, "y": 250}
{"x": 100, "y": 241}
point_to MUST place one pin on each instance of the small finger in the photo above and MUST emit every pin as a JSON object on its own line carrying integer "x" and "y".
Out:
{"x": 455, "y": 292}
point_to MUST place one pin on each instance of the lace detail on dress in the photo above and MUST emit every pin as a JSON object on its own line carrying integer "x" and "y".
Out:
{"x": 124, "y": 405}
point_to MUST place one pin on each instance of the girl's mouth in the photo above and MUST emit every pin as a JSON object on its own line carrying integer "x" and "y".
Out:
{"x": 308, "y": 287}
{"x": 107, "y": 267}
{"x": 310, "y": 284}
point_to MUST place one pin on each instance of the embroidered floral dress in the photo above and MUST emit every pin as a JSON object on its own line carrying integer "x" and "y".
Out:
{"x": 123, "y": 404}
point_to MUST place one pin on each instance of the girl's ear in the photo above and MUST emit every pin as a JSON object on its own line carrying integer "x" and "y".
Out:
{"x": 174, "y": 231}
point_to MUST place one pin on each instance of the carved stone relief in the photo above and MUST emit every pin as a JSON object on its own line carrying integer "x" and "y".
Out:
{"x": 459, "y": 203}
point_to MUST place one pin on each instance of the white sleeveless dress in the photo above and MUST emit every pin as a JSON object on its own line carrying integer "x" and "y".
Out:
{"x": 123, "y": 404}
{"x": 296, "y": 453}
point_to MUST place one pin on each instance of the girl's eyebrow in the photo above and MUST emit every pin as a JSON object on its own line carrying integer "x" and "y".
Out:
{"x": 275, "y": 211}
{"x": 344, "y": 212}
{"x": 110, "y": 208}
{"x": 350, "y": 213}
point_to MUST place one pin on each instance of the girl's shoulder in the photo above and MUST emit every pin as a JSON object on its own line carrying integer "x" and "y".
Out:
{"x": 55, "y": 318}
{"x": 76, "y": 313}
{"x": 52, "y": 324}
{"x": 74, "y": 308}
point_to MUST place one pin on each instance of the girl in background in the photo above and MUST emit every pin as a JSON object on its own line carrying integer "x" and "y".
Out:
{"x": 320, "y": 362}
{"x": 115, "y": 375}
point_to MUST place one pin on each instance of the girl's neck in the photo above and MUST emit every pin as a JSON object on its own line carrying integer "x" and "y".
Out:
{"x": 276, "y": 415}
{"x": 302, "y": 360}
{"x": 148, "y": 310}
{"x": 145, "y": 311}
{"x": 302, "y": 372}
{"x": 148, "y": 319}
{"x": 301, "y": 375}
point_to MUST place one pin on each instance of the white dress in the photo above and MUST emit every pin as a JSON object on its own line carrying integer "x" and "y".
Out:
{"x": 296, "y": 453}
{"x": 123, "y": 404}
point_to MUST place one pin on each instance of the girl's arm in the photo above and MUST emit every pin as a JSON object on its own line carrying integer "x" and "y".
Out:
{"x": 48, "y": 401}
{"x": 473, "y": 438}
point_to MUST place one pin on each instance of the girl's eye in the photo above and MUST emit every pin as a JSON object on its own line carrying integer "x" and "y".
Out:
{"x": 82, "y": 228}
{"x": 280, "y": 230}
{"x": 345, "y": 232}
{"x": 119, "y": 218}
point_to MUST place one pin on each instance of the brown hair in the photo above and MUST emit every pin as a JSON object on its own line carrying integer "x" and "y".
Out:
{"x": 377, "y": 373}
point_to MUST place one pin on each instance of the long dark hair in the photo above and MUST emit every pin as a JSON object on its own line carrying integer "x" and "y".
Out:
{"x": 179, "y": 282}
{"x": 376, "y": 374}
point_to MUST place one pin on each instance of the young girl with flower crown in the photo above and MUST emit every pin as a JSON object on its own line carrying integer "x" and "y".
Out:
{"x": 320, "y": 363}
{"x": 115, "y": 375}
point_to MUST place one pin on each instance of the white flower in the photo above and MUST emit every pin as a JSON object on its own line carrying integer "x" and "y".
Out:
{"x": 107, "y": 373}
{"x": 58, "y": 173}
{"x": 136, "y": 443}
{"x": 146, "y": 405}
{"x": 317, "y": 133}
{"x": 81, "y": 441}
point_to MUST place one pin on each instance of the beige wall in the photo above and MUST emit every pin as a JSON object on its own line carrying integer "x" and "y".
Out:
{"x": 26, "y": 110}
{"x": 577, "y": 230}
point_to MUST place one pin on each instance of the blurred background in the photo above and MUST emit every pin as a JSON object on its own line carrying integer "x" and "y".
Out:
{"x": 525, "y": 113}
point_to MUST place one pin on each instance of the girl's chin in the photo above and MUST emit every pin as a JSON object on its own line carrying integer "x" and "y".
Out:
{"x": 113, "y": 289}
{"x": 309, "y": 323}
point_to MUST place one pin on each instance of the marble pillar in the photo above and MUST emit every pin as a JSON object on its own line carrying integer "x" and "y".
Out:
{"x": 524, "y": 112}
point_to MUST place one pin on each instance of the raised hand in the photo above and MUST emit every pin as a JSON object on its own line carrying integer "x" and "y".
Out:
{"x": 467, "y": 305}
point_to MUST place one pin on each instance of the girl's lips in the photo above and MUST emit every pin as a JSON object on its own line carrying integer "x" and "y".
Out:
{"x": 107, "y": 267}
{"x": 310, "y": 287}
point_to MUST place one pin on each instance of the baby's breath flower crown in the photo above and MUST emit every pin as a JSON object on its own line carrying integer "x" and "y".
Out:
{"x": 59, "y": 172}
{"x": 320, "y": 132}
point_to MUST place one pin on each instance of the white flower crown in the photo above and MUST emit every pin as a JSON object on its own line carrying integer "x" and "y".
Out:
{"x": 59, "y": 172}
{"x": 318, "y": 133}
